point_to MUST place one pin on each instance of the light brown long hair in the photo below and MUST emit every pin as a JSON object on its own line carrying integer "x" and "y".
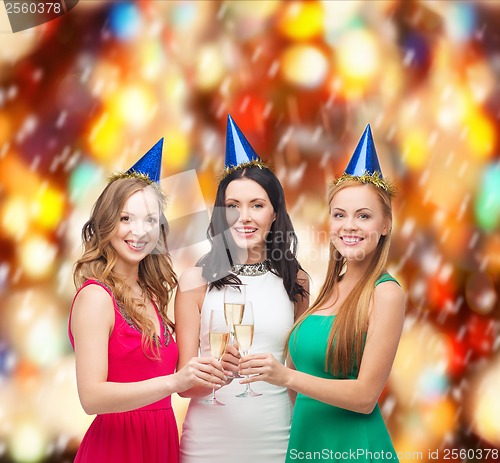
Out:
{"x": 347, "y": 335}
{"x": 156, "y": 276}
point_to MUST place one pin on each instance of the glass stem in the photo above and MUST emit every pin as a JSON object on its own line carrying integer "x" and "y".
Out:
{"x": 247, "y": 385}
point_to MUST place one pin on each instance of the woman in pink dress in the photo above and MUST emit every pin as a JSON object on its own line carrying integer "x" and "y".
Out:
{"x": 119, "y": 329}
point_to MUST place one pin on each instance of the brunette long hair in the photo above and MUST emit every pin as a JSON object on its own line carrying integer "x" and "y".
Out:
{"x": 281, "y": 242}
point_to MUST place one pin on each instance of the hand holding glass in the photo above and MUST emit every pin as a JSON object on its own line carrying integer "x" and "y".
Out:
{"x": 243, "y": 330}
{"x": 218, "y": 339}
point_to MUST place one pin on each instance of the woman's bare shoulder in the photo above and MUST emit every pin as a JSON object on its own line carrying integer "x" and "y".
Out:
{"x": 192, "y": 279}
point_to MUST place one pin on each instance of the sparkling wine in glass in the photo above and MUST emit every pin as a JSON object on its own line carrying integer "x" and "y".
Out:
{"x": 218, "y": 333}
{"x": 244, "y": 335}
{"x": 234, "y": 306}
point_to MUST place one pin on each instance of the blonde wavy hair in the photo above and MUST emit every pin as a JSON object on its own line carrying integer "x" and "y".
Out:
{"x": 156, "y": 276}
{"x": 348, "y": 332}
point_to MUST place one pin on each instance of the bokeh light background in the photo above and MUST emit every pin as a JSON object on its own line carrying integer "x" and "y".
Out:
{"x": 88, "y": 93}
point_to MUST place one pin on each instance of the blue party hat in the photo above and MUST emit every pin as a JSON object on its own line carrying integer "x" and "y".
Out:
{"x": 150, "y": 163}
{"x": 364, "y": 159}
{"x": 239, "y": 152}
{"x": 147, "y": 168}
{"x": 238, "y": 149}
{"x": 364, "y": 166}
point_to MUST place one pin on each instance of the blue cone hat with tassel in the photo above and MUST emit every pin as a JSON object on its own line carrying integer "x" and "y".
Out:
{"x": 364, "y": 159}
{"x": 364, "y": 166}
{"x": 238, "y": 149}
{"x": 239, "y": 152}
{"x": 150, "y": 163}
{"x": 147, "y": 168}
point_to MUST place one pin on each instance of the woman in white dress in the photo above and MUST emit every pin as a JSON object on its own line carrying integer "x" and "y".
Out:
{"x": 253, "y": 242}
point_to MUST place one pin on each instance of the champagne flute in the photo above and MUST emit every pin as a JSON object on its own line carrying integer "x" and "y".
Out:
{"x": 234, "y": 306}
{"x": 244, "y": 335}
{"x": 218, "y": 338}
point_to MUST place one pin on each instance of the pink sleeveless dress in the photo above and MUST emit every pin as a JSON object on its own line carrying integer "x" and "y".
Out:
{"x": 147, "y": 434}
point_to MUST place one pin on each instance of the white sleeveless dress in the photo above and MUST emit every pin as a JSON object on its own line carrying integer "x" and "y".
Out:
{"x": 251, "y": 429}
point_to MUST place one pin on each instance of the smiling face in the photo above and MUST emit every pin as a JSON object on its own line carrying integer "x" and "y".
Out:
{"x": 357, "y": 221}
{"x": 249, "y": 214}
{"x": 137, "y": 231}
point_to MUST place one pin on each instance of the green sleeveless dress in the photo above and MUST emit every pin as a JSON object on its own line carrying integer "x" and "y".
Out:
{"x": 322, "y": 432}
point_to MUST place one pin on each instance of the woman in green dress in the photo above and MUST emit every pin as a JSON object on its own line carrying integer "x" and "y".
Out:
{"x": 344, "y": 345}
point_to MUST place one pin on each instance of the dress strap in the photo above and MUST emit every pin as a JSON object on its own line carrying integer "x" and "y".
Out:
{"x": 386, "y": 277}
{"x": 96, "y": 282}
